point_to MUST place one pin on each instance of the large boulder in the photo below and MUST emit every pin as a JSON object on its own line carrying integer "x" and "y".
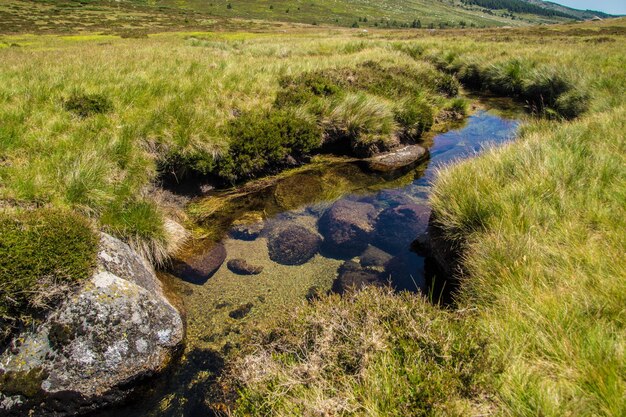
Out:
{"x": 95, "y": 348}
{"x": 399, "y": 226}
{"x": 292, "y": 244}
{"x": 201, "y": 264}
{"x": 347, "y": 227}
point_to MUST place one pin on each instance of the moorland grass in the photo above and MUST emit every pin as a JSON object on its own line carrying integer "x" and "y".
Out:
{"x": 92, "y": 126}
{"x": 539, "y": 220}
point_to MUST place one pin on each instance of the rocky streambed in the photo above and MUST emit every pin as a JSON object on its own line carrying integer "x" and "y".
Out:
{"x": 330, "y": 226}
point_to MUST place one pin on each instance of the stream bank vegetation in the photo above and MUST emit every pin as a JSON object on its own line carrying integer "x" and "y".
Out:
{"x": 92, "y": 124}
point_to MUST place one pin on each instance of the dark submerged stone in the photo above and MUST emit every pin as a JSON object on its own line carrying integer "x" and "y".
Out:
{"x": 292, "y": 245}
{"x": 242, "y": 267}
{"x": 347, "y": 227}
{"x": 201, "y": 266}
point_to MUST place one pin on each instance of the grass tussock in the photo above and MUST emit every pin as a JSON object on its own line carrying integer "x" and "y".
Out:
{"x": 541, "y": 222}
{"x": 550, "y": 91}
{"x": 43, "y": 252}
{"x": 369, "y": 353}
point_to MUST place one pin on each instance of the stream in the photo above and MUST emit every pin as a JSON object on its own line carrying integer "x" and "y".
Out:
{"x": 331, "y": 224}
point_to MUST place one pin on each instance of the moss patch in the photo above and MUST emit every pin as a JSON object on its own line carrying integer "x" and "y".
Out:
{"x": 41, "y": 251}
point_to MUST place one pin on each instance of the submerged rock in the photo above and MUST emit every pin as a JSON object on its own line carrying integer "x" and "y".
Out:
{"x": 242, "y": 267}
{"x": 351, "y": 276}
{"x": 298, "y": 190}
{"x": 401, "y": 225}
{"x": 374, "y": 257}
{"x": 406, "y": 272}
{"x": 247, "y": 228}
{"x": 95, "y": 348}
{"x": 399, "y": 158}
{"x": 347, "y": 227}
{"x": 241, "y": 311}
{"x": 292, "y": 244}
{"x": 200, "y": 266}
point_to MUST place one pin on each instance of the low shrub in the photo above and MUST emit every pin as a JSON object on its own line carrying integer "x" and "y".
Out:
{"x": 262, "y": 141}
{"x": 367, "y": 353}
{"x": 42, "y": 252}
{"x": 85, "y": 105}
{"x": 415, "y": 117}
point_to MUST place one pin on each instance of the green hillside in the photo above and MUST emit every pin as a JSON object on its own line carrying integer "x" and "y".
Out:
{"x": 54, "y": 16}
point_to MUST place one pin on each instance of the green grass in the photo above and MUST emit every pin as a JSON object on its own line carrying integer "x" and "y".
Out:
{"x": 92, "y": 125}
{"x": 539, "y": 220}
{"x": 371, "y": 353}
{"x": 136, "y": 18}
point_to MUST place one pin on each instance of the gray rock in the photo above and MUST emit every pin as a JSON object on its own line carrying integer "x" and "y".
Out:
{"x": 292, "y": 244}
{"x": 347, "y": 227}
{"x": 242, "y": 267}
{"x": 94, "y": 348}
{"x": 399, "y": 158}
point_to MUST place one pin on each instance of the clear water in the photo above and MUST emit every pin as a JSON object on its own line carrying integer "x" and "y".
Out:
{"x": 301, "y": 198}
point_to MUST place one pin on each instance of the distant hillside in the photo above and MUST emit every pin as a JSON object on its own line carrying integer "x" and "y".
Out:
{"x": 578, "y": 14}
{"x": 150, "y": 16}
{"x": 538, "y": 8}
{"x": 384, "y": 13}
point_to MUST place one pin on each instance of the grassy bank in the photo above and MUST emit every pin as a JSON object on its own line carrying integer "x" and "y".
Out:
{"x": 540, "y": 223}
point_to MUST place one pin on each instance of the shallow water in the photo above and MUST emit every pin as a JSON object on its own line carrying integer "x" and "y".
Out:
{"x": 222, "y": 312}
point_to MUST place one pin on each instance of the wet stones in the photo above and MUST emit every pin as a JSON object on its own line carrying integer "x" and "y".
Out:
{"x": 401, "y": 225}
{"x": 292, "y": 244}
{"x": 201, "y": 266}
{"x": 242, "y": 267}
{"x": 351, "y": 276}
{"x": 347, "y": 227}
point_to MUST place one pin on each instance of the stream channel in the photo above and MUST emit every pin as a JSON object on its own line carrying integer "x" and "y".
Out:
{"x": 284, "y": 232}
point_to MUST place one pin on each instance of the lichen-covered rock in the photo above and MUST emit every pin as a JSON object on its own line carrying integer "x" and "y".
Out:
{"x": 398, "y": 158}
{"x": 292, "y": 244}
{"x": 347, "y": 227}
{"x": 94, "y": 348}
